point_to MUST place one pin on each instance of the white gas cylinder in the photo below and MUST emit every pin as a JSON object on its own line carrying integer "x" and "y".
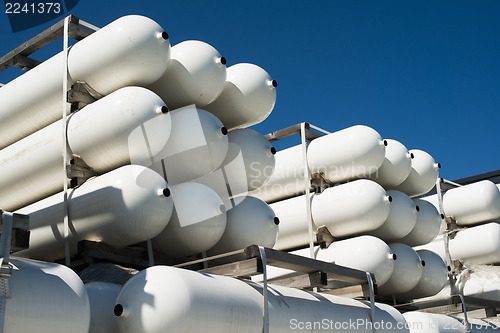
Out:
{"x": 406, "y": 273}
{"x": 401, "y": 219}
{"x": 248, "y": 165}
{"x": 131, "y": 125}
{"x": 45, "y": 298}
{"x": 212, "y": 303}
{"x": 248, "y": 96}
{"x": 250, "y": 222}
{"x": 125, "y": 206}
{"x": 433, "y": 279}
{"x": 133, "y": 50}
{"x": 197, "y": 146}
{"x": 396, "y": 166}
{"x": 196, "y": 75}
{"x": 354, "y": 152}
{"x": 426, "y": 227}
{"x": 197, "y": 224}
{"x": 347, "y": 209}
{"x": 473, "y": 203}
{"x": 423, "y": 174}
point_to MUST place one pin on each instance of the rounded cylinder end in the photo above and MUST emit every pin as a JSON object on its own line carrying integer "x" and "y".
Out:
{"x": 276, "y": 220}
{"x": 224, "y": 131}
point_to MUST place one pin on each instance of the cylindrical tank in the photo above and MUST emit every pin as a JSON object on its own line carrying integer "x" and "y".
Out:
{"x": 287, "y": 178}
{"x": 197, "y": 224}
{"x": 479, "y": 245}
{"x": 125, "y": 206}
{"x": 250, "y": 222}
{"x": 102, "y": 297}
{"x": 197, "y": 146}
{"x": 127, "y": 126}
{"x": 401, "y": 219}
{"x": 352, "y": 208}
{"x": 249, "y": 163}
{"x": 354, "y": 152}
{"x": 45, "y": 298}
{"x": 396, "y": 166}
{"x": 473, "y": 203}
{"x": 365, "y": 253}
{"x": 133, "y": 50}
{"x": 406, "y": 273}
{"x": 212, "y": 303}
{"x": 426, "y": 227}
{"x": 348, "y": 209}
{"x": 248, "y": 96}
{"x": 423, "y": 174}
{"x": 196, "y": 75}
{"x": 433, "y": 279}
{"x": 423, "y": 322}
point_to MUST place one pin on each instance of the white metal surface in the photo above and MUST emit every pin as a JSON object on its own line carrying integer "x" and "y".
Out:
{"x": 352, "y": 208}
{"x": 473, "y": 203}
{"x": 128, "y": 51}
{"x": 197, "y": 224}
{"x": 122, "y": 207}
{"x": 248, "y": 96}
{"x": 365, "y": 253}
{"x": 348, "y": 209}
{"x": 396, "y": 166}
{"x": 125, "y": 127}
{"x": 401, "y": 219}
{"x": 406, "y": 273}
{"x": 248, "y": 164}
{"x": 211, "y": 303}
{"x": 196, "y": 74}
{"x": 102, "y": 297}
{"x": 427, "y": 226}
{"x": 197, "y": 146}
{"x": 351, "y": 153}
{"x": 423, "y": 174}
{"x": 433, "y": 279}
{"x": 250, "y": 222}
{"x": 287, "y": 178}
{"x": 479, "y": 245}
{"x": 46, "y": 298}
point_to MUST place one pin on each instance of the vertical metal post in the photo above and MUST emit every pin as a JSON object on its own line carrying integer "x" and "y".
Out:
{"x": 65, "y": 141}
{"x": 307, "y": 183}
{"x": 372, "y": 299}
{"x": 5, "y": 268}
{"x": 265, "y": 310}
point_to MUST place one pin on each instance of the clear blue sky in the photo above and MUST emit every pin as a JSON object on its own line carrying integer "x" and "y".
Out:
{"x": 425, "y": 73}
